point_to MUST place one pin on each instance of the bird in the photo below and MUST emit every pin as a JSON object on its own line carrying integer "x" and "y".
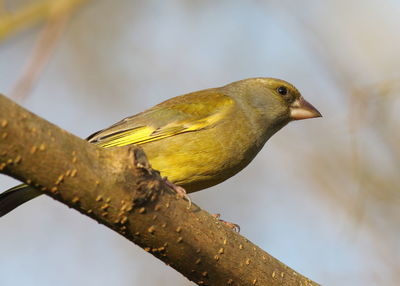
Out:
{"x": 200, "y": 139}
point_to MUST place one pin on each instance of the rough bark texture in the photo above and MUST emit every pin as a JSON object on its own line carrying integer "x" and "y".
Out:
{"x": 117, "y": 188}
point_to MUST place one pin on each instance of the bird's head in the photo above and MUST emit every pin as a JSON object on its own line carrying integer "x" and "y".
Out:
{"x": 271, "y": 103}
{"x": 272, "y": 99}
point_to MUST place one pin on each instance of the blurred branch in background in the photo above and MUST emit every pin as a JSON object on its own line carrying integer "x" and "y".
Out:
{"x": 364, "y": 181}
{"x": 56, "y": 15}
{"x": 32, "y": 14}
{"x": 361, "y": 178}
{"x": 45, "y": 46}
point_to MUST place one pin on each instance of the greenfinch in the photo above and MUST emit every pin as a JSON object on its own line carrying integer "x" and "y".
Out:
{"x": 200, "y": 139}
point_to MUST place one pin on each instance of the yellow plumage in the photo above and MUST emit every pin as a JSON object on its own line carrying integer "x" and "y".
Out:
{"x": 165, "y": 132}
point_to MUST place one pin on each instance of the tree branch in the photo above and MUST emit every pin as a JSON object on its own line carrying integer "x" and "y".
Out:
{"x": 117, "y": 188}
{"x": 31, "y": 14}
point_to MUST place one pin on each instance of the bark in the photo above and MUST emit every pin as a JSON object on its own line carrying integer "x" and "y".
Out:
{"x": 118, "y": 188}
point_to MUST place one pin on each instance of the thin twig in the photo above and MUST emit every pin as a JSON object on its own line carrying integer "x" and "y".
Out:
{"x": 44, "y": 49}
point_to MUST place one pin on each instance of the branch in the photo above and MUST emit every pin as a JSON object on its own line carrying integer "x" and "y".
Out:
{"x": 31, "y": 14}
{"x": 117, "y": 188}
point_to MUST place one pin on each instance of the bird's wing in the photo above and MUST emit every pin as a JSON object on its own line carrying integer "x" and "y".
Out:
{"x": 187, "y": 113}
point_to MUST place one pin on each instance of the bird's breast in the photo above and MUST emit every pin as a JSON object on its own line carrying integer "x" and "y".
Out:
{"x": 200, "y": 159}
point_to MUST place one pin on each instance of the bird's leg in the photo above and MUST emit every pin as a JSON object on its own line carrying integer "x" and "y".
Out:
{"x": 179, "y": 190}
{"x": 231, "y": 225}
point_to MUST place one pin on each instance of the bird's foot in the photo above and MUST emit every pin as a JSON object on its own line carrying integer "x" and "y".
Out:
{"x": 181, "y": 192}
{"x": 235, "y": 227}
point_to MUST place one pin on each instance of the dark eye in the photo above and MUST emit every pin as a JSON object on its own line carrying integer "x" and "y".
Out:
{"x": 282, "y": 90}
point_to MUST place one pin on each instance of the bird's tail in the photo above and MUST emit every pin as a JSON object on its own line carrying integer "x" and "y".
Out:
{"x": 15, "y": 197}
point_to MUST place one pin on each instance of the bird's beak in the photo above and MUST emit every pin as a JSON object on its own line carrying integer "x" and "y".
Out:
{"x": 302, "y": 109}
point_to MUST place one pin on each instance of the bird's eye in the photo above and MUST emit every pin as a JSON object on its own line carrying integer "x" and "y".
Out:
{"x": 282, "y": 90}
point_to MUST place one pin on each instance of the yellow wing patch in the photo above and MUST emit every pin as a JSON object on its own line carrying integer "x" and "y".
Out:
{"x": 121, "y": 135}
{"x": 145, "y": 134}
{"x": 138, "y": 135}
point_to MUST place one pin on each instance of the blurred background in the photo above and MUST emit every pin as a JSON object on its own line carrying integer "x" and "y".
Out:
{"x": 322, "y": 196}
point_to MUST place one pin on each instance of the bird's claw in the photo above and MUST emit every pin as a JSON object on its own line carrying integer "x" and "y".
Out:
{"x": 181, "y": 192}
{"x": 235, "y": 227}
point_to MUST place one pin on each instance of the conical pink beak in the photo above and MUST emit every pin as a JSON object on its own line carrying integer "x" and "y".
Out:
{"x": 302, "y": 109}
